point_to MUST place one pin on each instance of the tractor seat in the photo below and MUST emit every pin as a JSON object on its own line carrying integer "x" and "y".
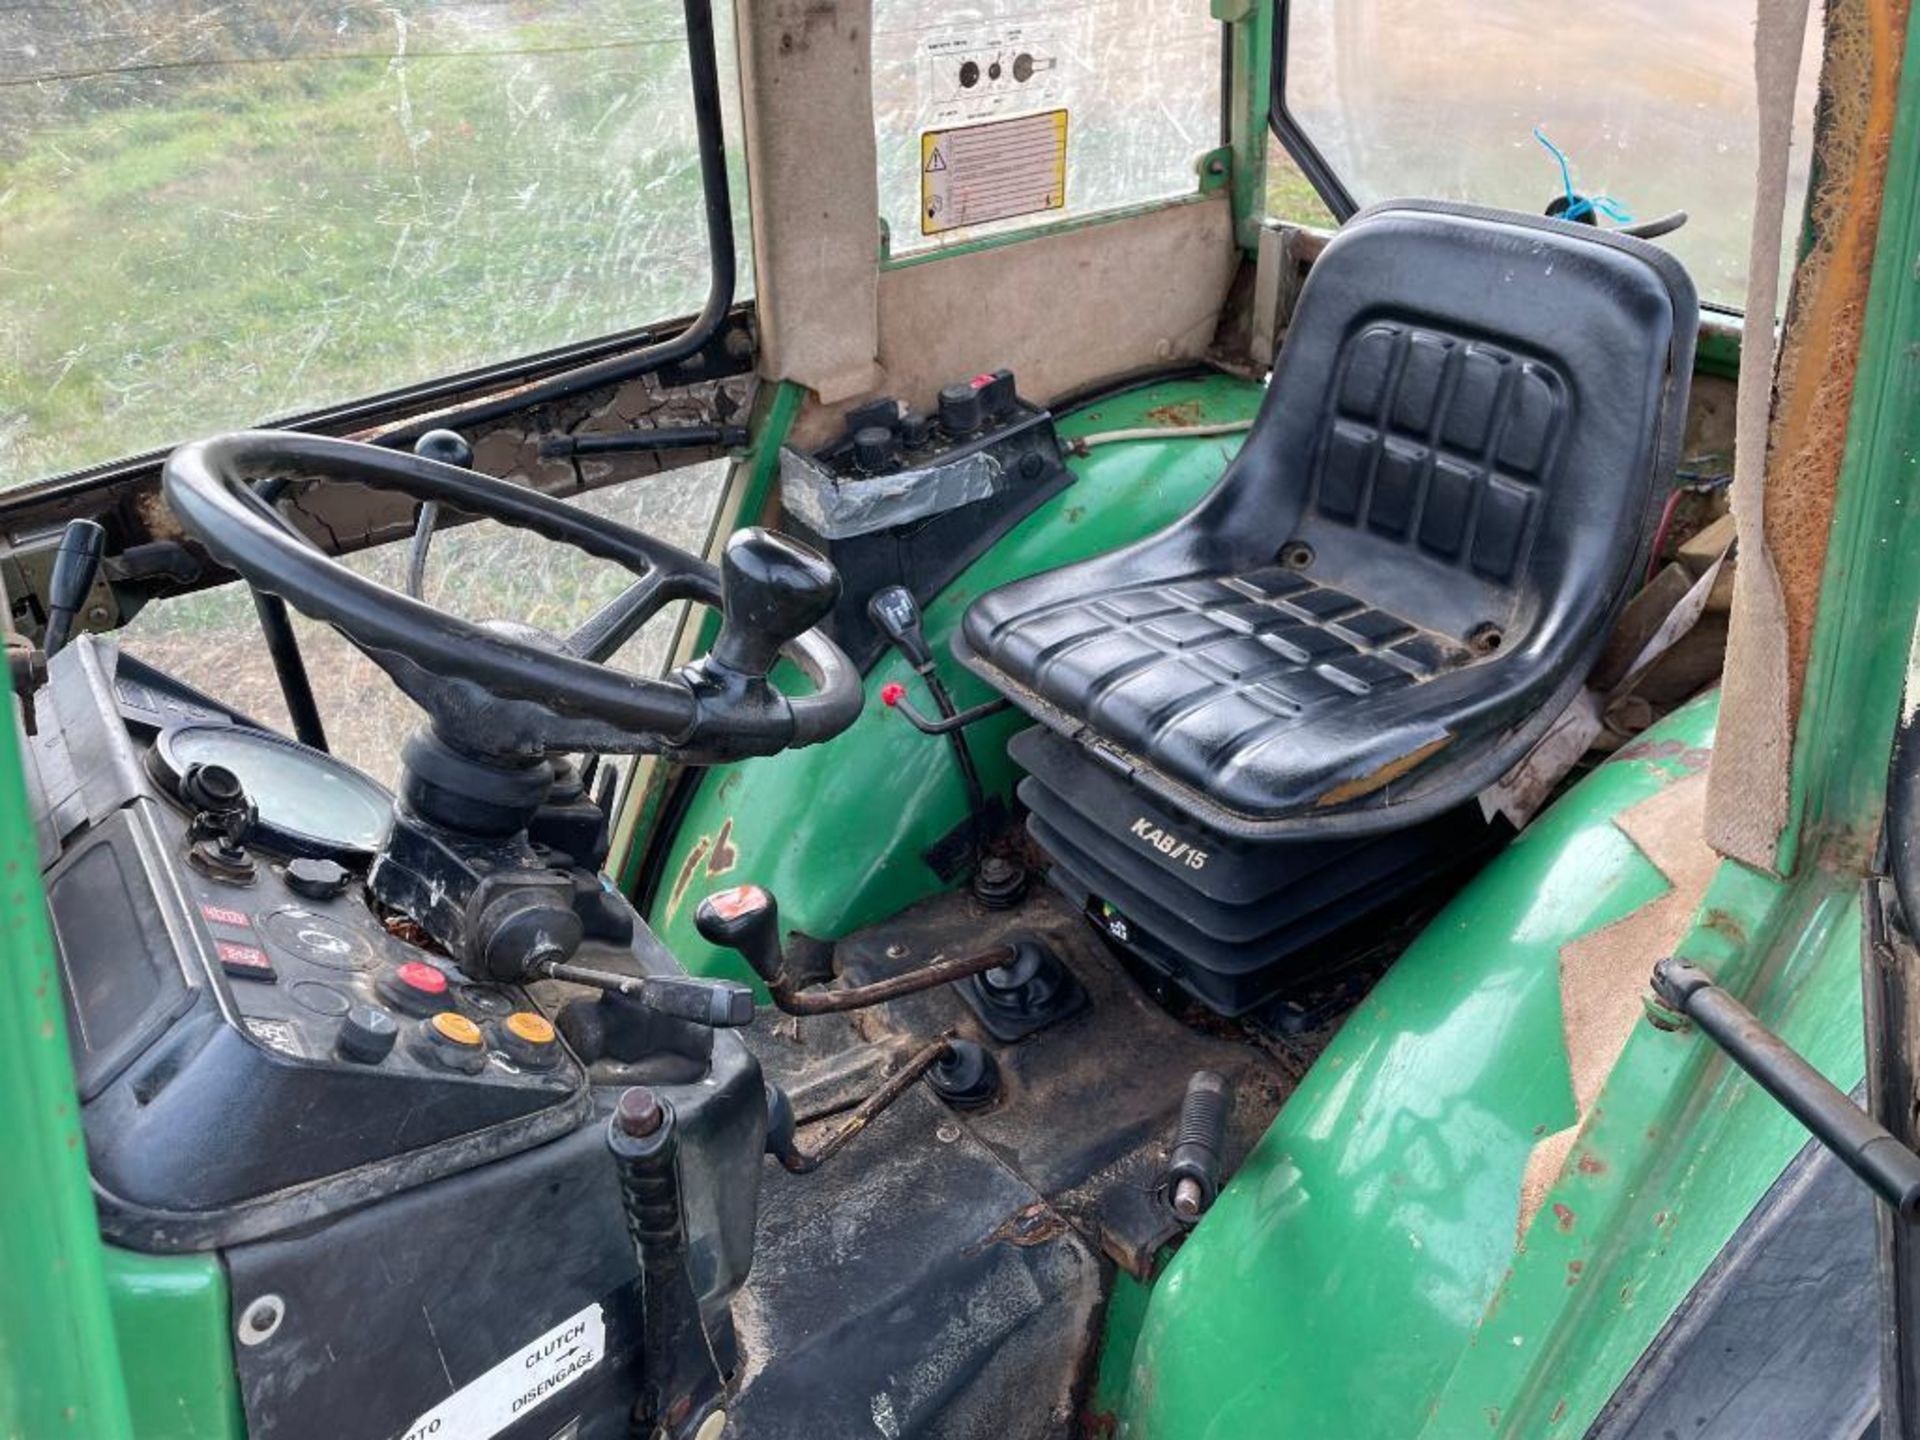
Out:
{"x": 1408, "y": 570}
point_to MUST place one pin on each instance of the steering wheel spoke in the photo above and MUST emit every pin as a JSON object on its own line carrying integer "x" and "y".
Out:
{"x": 602, "y": 634}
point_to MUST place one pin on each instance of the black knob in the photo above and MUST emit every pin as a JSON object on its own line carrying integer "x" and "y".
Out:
{"x": 960, "y": 409}
{"x": 367, "y": 1035}
{"x": 873, "y": 448}
{"x": 771, "y": 589}
{"x": 76, "y": 565}
{"x": 915, "y": 429}
{"x": 744, "y": 919}
{"x": 212, "y": 788}
{"x": 897, "y": 614}
{"x": 449, "y": 447}
{"x": 316, "y": 879}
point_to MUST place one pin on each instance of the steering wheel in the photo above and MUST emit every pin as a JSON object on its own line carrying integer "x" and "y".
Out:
{"x": 508, "y": 691}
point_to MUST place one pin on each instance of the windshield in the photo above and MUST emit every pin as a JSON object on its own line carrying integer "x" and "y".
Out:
{"x": 1651, "y": 102}
{"x": 218, "y": 215}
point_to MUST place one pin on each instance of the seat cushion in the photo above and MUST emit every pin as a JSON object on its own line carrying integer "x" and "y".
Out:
{"x": 1223, "y": 682}
{"x": 1471, "y": 427}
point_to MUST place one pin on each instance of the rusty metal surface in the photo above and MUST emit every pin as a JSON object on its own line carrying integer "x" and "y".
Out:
{"x": 1087, "y": 1106}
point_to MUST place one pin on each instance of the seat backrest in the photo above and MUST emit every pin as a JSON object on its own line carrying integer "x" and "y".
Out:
{"x": 1473, "y": 422}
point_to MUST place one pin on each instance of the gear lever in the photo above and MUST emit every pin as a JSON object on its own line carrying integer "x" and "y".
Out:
{"x": 897, "y": 614}
{"x": 772, "y": 589}
{"x": 746, "y": 920}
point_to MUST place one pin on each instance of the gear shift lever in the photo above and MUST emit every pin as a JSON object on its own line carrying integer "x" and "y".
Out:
{"x": 746, "y": 920}
{"x": 772, "y": 589}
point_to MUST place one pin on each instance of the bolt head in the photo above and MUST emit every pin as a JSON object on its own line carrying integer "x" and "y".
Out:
{"x": 639, "y": 1113}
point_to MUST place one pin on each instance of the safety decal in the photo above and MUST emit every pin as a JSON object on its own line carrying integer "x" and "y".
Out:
{"x": 529, "y": 1377}
{"x": 975, "y": 173}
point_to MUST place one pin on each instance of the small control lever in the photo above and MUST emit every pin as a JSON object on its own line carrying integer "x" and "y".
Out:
{"x": 76, "y": 565}
{"x": 785, "y": 1147}
{"x": 746, "y": 920}
{"x": 449, "y": 447}
{"x": 897, "y": 614}
{"x": 1199, "y": 1146}
{"x": 772, "y": 590}
{"x": 723, "y": 1004}
{"x": 682, "y": 1394}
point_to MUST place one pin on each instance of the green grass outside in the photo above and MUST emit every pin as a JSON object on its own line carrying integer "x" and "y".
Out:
{"x": 253, "y": 239}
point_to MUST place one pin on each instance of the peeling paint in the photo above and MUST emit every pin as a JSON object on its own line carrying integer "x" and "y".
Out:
{"x": 1035, "y": 1225}
{"x": 725, "y": 854}
{"x": 688, "y": 868}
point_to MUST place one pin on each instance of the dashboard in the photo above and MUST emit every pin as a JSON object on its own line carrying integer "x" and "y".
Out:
{"x": 273, "y": 1070}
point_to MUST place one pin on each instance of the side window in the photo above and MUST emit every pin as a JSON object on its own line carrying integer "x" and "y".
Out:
{"x": 1012, "y": 113}
{"x": 1652, "y": 103}
{"x": 220, "y": 215}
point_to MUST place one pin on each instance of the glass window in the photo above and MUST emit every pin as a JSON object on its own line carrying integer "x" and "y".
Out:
{"x": 481, "y": 571}
{"x": 1652, "y": 101}
{"x": 1290, "y": 195}
{"x": 1138, "y": 82}
{"x": 216, "y": 215}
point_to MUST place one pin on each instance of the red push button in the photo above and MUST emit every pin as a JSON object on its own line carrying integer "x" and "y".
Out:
{"x": 425, "y": 978}
{"x": 416, "y": 988}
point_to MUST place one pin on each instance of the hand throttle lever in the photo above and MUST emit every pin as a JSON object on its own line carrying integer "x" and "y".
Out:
{"x": 76, "y": 565}
{"x": 723, "y": 1004}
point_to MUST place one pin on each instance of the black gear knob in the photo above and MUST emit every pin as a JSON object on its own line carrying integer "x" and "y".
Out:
{"x": 449, "y": 447}
{"x": 744, "y": 919}
{"x": 771, "y": 589}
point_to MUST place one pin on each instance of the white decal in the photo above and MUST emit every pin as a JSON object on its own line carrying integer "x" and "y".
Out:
{"x": 484, "y": 1407}
{"x": 1168, "y": 844}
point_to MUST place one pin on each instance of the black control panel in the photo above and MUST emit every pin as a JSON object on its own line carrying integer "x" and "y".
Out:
{"x": 257, "y": 1045}
{"x": 992, "y": 457}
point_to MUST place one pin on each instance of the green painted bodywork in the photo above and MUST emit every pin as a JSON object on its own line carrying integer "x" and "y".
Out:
{"x": 1361, "y": 1275}
{"x": 174, "y": 1319}
{"x": 1249, "y": 104}
{"x": 60, "y": 1372}
{"x": 1870, "y": 588}
{"x": 837, "y": 831}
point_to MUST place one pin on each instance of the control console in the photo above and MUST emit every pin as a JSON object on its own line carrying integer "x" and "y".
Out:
{"x": 257, "y": 1042}
{"x": 908, "y": 497}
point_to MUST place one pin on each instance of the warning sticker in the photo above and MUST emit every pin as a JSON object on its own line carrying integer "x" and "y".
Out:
{"x": 986, "y": 74}
{"x": 976, "y": 173}
{"x": 534, "y": 1374}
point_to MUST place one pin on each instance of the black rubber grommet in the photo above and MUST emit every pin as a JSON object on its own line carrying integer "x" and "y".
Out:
{"x": 967, "y": 1076}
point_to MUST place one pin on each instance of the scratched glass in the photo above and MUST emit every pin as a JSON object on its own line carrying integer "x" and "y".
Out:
{"x": 218, "y": 215}
{"x": 1139, "y": 80}
{"x": 1652, "y": 101}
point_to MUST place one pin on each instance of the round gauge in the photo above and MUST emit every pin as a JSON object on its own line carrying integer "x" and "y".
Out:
{"x": 309, "y": 803}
